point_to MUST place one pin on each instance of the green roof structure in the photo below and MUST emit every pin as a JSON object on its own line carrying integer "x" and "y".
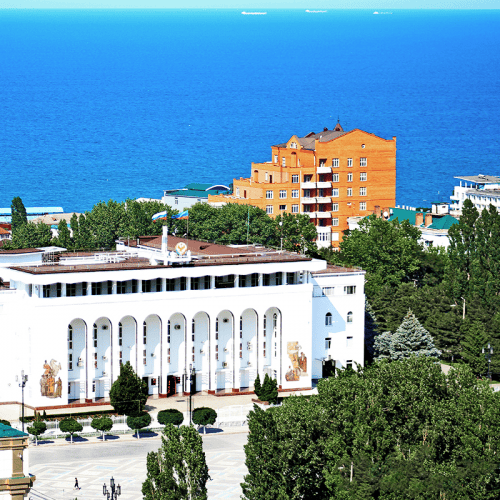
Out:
{"x": 442, "y": 222}
{"x": 6, "y": 431}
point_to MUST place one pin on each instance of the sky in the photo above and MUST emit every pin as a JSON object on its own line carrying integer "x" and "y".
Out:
{"x": 249, "y": 4}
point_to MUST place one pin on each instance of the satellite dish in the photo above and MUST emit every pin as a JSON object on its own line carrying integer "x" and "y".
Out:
{"x": 386, "y": 215}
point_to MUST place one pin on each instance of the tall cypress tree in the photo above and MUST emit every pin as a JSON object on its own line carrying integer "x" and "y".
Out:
{"x": 19, "y": 214}
{"x": 474, "y": 339}
{"x": 63, "y": 236}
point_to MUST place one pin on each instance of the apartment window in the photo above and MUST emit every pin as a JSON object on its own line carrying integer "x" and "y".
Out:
{"x": 335, "y": 178}
{"x": 121, "y": 358}
{"x": 282, "y": 193}
{"x": 144, "y": 360}
{"x": 238, "y": 192}
{"x": 95, "y": 335}
{"x": 282, "y": 208}
{"x": 335, "y": 162}
{"x": 134, "y": 286}
{"x": 349, "y": 290}
{"x": 293, "y": 145}
{"x": 323, "y": 236}
{"x": 335, "y": 207}
{"x": 362, "y": 205}
{"x": 362, "y": 191}
{"x": 295, "y": 193}
{"x": 96, "y": 288}
{"x": 295, "y": 209}
{"x": 290, "y": 278}
{"x": 328, "y": 343}
{"x": 241, "y": 328}
{"x": 195, "y": 283}
{"x": 275, "y": 158}
{"x": 269, "y": 209}
{"x": 120, "y": 334}
{"x": 269, "y": 195}
{"x": 170, "y": 285}
{"x": 363, "y": 162}
{"x": 70, "y": 289}
{"x": 328, "y": 319}
{"x": 110, "y": 287}
{"x": 84, "y": 288}
{"x": 363, "y": 176}
{"x": 121, "y": 287}
{"x": 307, "y": 178}
{"x": 266, "y": 279}
{"x": 348, "y": 342}
{"x": 254, "y": 279}
{"x": 283, "y": 161}
{"x": 335, "y": 193}
{"x": 349, "y": 191}
{"x": 70, "y": 337}
{"x": 349, "y": 317}
{"x": 295, "y": 179}
{"x": 183, "y": 283}
{"x": 322, "y": 162}
{"x": 265, "y": 329}
{"x": 144, "y": 333}
{"x": 267, "y": 176}
{"x": 327, "y": 291}
{"x": 146, "y": 286}
{"x": 279, "y": 279}
{"x": 349, "y": 177}
{"x": 95, "y": 361}
{"x": 58, "y": 289}
{"x": 335, "y": 221}
{"x": 70, "y": 361}
{"x": 349, "y": 162}
{"x": 46, "y": 291}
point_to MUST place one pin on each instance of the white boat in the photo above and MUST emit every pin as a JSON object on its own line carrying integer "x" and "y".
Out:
{"x": 254, "y": 13}
{"x": 316, "y": 11}
{"x": 375, "y": 12}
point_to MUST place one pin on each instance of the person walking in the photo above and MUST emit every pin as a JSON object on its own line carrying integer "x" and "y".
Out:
{"x": 76, "y": 484}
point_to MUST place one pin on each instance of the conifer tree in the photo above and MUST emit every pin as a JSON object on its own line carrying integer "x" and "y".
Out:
{"x": 473, "y": 341}
{"x": 257, "y": 387}
{"x": 370, "y": 331}
{"x": 178, "y": 470}
{"x": 382, "y": 346}
{"x": 128, "y": 394}
{"x": 269, "y": 390}
{"x": 63, "y": 235}
{"x": 19, "y": 214}
{"x": 411, "y": 338}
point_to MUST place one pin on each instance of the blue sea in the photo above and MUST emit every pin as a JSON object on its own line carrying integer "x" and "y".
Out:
{"x": 115, "y": 104}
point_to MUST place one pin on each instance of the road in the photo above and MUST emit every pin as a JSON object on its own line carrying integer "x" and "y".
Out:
{"x": 94, "y": 463}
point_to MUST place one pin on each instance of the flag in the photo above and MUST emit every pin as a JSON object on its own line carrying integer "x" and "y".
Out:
{"x": 182, "y": 215}
{"x": 160, "y": 216}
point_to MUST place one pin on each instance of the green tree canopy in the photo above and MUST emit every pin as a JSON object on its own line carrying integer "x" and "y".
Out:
{"x": 473, "y": 341}
{"x": 178, "y": 470}
{"x": 64, "y": 235}
{"x": 204, "y": 416}
{"x": 103, "y": 424}
{"x": 70, "y": 425}
{"x": 19, "y": 214}
{"x": 128, "y": 394}
{"x": 170, "y": 416}
{"x": 269, "y": 390}
{"x": 37, "y": 429}
{"x": 139, "y": 421}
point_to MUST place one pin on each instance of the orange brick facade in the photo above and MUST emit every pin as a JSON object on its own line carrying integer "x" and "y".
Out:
{"x": 330, "y": 176}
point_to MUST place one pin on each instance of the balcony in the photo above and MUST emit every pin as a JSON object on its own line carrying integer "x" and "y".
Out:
{"x": 312, "y": 215}
{"x": 323, "y": 215}
{"x": 308, "y": 185}
{"x": 323, "y": 184}
{"x": 308, "y": 201}
{"x": 323, "y": 199}
{"x": 323, "y": 229}
{"x": 324, "y": 170}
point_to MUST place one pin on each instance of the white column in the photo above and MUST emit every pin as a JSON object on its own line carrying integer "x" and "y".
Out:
{"x": 212, "y": 282}
{"x": 188, "y": 282}
{"x": 283, "y": 278}
{"x": 260, "y": 279}
{"x": 164, "y": 284}
{"x": 89, "y": 288}
{"x": 236, "y": 281}
{"x": 114, "y": 287}
{"x": 63, "y": 289}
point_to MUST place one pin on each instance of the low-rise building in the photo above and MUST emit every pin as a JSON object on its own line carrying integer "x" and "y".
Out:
{"x": 167, "y": 304}
{"x": 481, "y": 190}
{"x": 196, "y": 192}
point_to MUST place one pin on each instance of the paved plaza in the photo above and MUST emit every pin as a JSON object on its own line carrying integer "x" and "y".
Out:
{"x": 124, "y": 458}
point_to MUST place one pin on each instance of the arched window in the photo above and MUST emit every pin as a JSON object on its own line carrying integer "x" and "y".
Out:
{"x": 328, "y": 319}
{"x": 193, "y": 326}
{"x": 241, "y": 327}
{"x": 349, "y": 317}
{"x": 275, "y": 320}
{"x": 265, "y": 326}
{"x": 168, "y": 333}
{"x": 120, "y": 334}
{"x": 144, "y": 328}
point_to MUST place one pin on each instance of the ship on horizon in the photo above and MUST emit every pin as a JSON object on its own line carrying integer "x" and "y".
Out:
{"x": 316, "y": 11}
{"x": 254, "y": 13}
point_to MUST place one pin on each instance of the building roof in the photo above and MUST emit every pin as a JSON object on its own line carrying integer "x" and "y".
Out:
{"x": 21, "y": 250}
{"x": 4, "y": 231}
{"x": 6, "y": 431}
{"x": 198, "y": 190}
{"x": 480, "y": 179}
{"x": 442, "y": 222}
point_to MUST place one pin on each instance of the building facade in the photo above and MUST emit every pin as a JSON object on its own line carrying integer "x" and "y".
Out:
{"x": 330, "y": 176}
{"x": 193, "y": 193}
{"x": 481, "y": 190}
{"x": 228, "y": 313}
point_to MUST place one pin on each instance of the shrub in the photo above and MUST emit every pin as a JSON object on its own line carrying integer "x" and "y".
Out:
{"x": 70, "y": 425}
{"x": 138, "y": 422}
{"x": 103, "y": 424}
{"x": 172, "y": 416}
{"x": 37, "y": 429}
{"x": 204, "y": 416}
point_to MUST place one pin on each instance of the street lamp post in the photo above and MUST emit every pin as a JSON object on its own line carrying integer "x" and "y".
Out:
{"x": 192, "y": 373}
{"x": 24, "y": 379}
{"x": 115, "y": 491}
{"x": 488, "y": 351}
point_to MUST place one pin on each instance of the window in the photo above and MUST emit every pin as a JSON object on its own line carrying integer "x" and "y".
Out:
{"x": 46, "y": 291}
{"x": 295, "y": 179}
{"x": 96, "y": 288}
{"x": 322, "y": 162}
{"x": 121, "y": 358}
{"x": 120, "y": 334}
{"x": 134, "y": 286}
{"x": 349, "y": 318}
{"x": 335, "y": 207}
{"x": 267, "y": 176}
{"x": 335, "y": 221}
{"x": 207, "y": 282}
{"x": 94, "y": 328}
{"x": 195, "y": 283}
{"x": 335, "y": 178}
{"x": 307, "y": 178}
{"x": 307, "y": 193}
{"x": 335, "y": 162}
{"x": 349, "y": 290}
{"x": 183, "y": 283}
{"x": 269, "y": 195}
{"x": 238, "y": 192}
{"x": 269, "y": 209}
{"x": 290, "y": 278}
{"x": 170, "y": 285}
{"x": 295, "y": 193}
{"x": 328, "y": 343}
{"x": 349, "y": 191}
{"x": 95, "y": 360}
{"x": 327, "y": 291}
{"x": 254, "y": 279}
{"x": 275, "y": 158}
{"x": 335, "y": 236}
{"x": 282, "y": 207}
{"x": 266, "y": 279}
{"x": 295, "y": 209}
{"x": 58, "y": 289}
{"x": 363, "y": 176}
{"x": 70, "y": 337}
{"x": 282, "y": 193}
{"x": 70, "y": 361}
{"x": 348, "y": 363}
{"x": 70, "y": 289}
{"x": 363, "y": 162}
{"x": 121, "y": 286}
{"x": 144, "y": 361}
{"x": 362, "y": 191}
{"x": 323, "y": 236}
{"x": 328, "y": 319}
{"x": 293, "y": 145}
{"x": 362, "y": 205}
{"x": 146, "y": 286}
{"x": 335, "y": 192}
{"x": 349, "y": 177}
{"x": 283, "y": 161}
{"x": 279, "y": 279}
{"x": 84, "y": 288}
{"x": 144, "y": 333}
{"x": 349, "y": 162}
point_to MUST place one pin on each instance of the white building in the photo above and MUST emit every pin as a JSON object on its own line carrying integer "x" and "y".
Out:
{"x": 482, "y": 190}
{"x": 186, "y": 197}
{"x": 229, "y": 312}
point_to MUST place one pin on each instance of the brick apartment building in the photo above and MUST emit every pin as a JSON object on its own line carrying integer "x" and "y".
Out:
{"x": 331, "y": 176}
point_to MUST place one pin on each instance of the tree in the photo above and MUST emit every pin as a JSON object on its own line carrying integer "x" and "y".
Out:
{"x": 64, "y": 235}
{"x": 103, "y": 424}
{"x": 204, "y": 416}
{"x": 257, "y": 386}
{"x": 128, "y": 394}
{"x": 171, "y": 416}
{"x": 19, "y": 214}
{"x": 178, "y": 470}
{"x": 298, "y": 232}
{"x": 70, "y": 425}
{"x": 37, "y": 429}
{"x": 5, "y": 422}
{"x": 473, "y": 341}
{"x": 410, "y": 339}
{"x": 138, "y": 422}
{"x": 269, "y": 390}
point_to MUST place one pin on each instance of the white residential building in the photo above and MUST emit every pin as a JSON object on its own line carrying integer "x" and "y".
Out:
{"x": 482, "y": 190}
{"x": 228, "y": 312}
